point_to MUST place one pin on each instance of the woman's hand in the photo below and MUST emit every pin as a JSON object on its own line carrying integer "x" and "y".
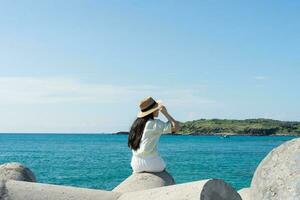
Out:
{"x": 163, "y": 109}
{"x": 175, "y": 124}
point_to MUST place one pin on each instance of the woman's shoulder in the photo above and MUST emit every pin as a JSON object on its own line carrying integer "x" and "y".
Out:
{"x": 158, "y": 121}
{"x": 157, "y": 126}
{"x": 154, "y": 123}
{"x": 151, "y": 123}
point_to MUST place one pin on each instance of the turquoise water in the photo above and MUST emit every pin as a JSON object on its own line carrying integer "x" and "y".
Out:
{"x": 102, "y": 161}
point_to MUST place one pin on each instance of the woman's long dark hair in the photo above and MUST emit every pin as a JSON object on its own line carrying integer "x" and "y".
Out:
{"x": 136, "y": 131}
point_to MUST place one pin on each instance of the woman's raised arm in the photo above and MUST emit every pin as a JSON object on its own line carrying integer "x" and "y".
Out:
{"x": 175, "y": 124}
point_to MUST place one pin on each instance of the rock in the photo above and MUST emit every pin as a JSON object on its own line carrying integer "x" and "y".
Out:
{"x": 245, "y": 193}
{"x": 21, "y": 190}
{"x": 278, "y": 175}
{"x": 16, "y": 171}
{"x": 145, "y": 180}
{"x": 211, "y": 189}
{"x": 3, "y": 190}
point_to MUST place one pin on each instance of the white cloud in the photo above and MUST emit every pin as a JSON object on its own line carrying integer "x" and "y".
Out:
{"x": 60, "y": 104}
{"x": 27, "y": 90}
{"x": 20, "y": 90}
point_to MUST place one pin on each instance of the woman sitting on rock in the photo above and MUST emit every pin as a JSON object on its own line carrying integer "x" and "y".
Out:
{"x": 145, "y": 133}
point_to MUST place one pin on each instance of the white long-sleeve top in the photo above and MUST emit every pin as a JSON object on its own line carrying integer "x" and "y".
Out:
{"x": 151, "y": 134}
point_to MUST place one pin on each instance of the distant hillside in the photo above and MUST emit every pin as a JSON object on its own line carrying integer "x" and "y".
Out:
{"x": 243, "y": 127}
{"x": 237, "y": 127}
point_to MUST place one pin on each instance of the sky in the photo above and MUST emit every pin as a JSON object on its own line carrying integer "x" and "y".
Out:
{"x": 84, "y": 66}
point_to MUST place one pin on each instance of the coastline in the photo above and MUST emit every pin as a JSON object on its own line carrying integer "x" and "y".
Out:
{"x": 230, "y": 127}
{"x": 212, "y": 134}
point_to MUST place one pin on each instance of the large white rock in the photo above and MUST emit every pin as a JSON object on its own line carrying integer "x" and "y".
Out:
{"x": 245, "y": 193}
{"x": 278, "y": 175}
{"x": 211, "y": 189}
{"x": 16, "y": 171}
{"x": 3, "y": 191}
{"x": 21, "y": 190}
{"x": 145, "y": 180}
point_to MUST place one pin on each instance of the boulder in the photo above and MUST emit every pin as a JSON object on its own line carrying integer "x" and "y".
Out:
{"x": 16, "y": 171}
{"x": 211, "y": 189}
{"x": 3, "y": 191}
{"x": 21, "y": 190}
{"x": 278, "y": 175}
{"x": 245, "y": 193}
{"x": 145, "y": 180}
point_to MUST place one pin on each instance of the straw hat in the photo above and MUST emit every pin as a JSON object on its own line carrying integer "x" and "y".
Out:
{"x": 148, "y": 105}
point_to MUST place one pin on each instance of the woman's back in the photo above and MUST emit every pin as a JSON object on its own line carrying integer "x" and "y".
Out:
{"x": 151, "y": 134}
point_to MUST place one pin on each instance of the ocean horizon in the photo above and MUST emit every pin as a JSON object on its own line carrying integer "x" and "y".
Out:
{"x": 102, "y": 160}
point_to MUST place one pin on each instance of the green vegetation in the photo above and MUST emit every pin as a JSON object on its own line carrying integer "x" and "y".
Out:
{"x": 242, "y": 127}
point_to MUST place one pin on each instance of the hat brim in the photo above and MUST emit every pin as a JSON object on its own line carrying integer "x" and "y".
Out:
{"x": 157, "y": 107}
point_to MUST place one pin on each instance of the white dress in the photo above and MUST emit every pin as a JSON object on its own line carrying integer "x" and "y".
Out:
{"x": 147, "y": 158}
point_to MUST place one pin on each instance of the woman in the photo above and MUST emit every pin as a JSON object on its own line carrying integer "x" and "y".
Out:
{"x": 145, "y": 133}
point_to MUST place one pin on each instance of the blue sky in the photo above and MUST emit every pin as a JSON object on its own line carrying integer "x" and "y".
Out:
{"x": 83, "y": 66}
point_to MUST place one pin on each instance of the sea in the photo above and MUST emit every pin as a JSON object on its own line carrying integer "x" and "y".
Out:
{"x": 102, "y": 161}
